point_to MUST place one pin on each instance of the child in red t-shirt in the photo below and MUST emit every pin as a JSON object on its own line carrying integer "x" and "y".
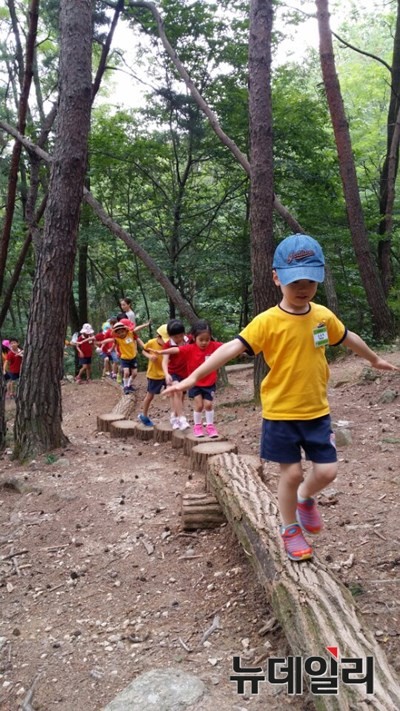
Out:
{"x": 12, "y": 366}
{"x": 108, "y": 352}
{"x": 191, "y": 356}
{"x": 174, "y": 367}
{"x": 84, "y": 345}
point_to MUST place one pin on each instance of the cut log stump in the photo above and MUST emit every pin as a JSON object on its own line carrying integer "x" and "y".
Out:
{"x": 201, "y": 452}
{"x": 191, "y": 441}
{"x": 123, "y": 428}
{"x": 162, "y": 432}
{"x": 314, "y": 608}
{"x": 143, "y": 433}
{"x": 200, "y": 511}
{"x": 178, "y": 438}
{"x": 105, "y": 421}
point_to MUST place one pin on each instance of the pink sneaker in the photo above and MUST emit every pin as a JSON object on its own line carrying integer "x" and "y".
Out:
{"x": 295, "y": 544}
{"x": 211, "y": 431}
{"x": 308, "y": 516}
{"x": 198, "y": 431}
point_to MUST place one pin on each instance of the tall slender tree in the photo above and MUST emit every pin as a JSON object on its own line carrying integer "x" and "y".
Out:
{"x": 38, "y": 416}
{"x": 382, "y": 318}
{"x": 261, "y": 160}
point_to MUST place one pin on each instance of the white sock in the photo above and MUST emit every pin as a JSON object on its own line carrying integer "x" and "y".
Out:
{"x": 210, "y": 417}
{"x": 197, "y": 417}
{"x": 126, "y": 382}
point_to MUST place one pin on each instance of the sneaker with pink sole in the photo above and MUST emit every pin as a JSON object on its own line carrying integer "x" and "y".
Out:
{"x": 308, "y": 516}
{"x": 295, "y": 544}
{"x": 211, "y": 431}
{"x": 198, "y": 431}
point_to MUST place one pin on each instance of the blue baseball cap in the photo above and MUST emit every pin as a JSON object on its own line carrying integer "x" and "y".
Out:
{"x": 299, "y": 257}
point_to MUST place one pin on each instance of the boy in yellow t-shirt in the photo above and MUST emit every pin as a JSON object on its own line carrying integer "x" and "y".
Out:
{"x": 292, "y": 337}
{"x": 126, "y": 341}
{"x": 155, "y": 373}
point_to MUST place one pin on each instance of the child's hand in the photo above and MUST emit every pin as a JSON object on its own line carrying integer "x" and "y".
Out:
{"x": 382, "y": 364}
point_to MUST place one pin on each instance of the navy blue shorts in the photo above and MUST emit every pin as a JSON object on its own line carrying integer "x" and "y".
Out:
{"x": 155, "y": 387}
{"x": 85, "y": 361}
{"x": 177, "y": 378}
{"x": 112, "y": 356}
{"x": 206, "y": 393}
{"x": 132, "y": 363}
{"x": 13, "y": 376}
{"x": 283, "y": 440}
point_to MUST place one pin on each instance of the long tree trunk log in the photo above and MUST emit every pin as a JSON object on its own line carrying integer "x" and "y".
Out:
{"x": 313, "y": 607}
{"x": 126, "y": 406}
{"x": 200, "y": 511}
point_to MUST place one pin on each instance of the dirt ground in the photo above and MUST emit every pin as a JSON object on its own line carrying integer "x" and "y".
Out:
{"x": 98, "y": 582}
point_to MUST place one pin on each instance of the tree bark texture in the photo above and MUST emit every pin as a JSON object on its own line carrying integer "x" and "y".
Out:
{"x": 314, "y": 609}
{"x": 381, "y": 316}
{"x": 25, "y": 73}
{"x": 38, "y": 416}
{"x": 261, "y": 157}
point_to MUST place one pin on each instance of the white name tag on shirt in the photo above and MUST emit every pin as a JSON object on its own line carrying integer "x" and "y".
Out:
{"x": 320, "y": 335}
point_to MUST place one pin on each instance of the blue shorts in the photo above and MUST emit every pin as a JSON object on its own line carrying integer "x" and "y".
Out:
{"x": 85, "y": 361}
{"x": 155, "y": 387}
{"x": 206, "y": 393}
{"x": 177, "y": 378}
{"x": 112, "y": 356}
{"x": 131, "y": 364}
{"x": 13, "y": 376}
{"x": 283, "y": 440}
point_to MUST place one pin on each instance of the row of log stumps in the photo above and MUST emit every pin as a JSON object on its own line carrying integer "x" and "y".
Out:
{"x": 198, "y": 510}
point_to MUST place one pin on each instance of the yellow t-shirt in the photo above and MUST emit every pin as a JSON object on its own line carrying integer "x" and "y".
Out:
{"x": 127, "y": 346}
{"x": 296, "y": 386}
{"x": 154, "y": 368}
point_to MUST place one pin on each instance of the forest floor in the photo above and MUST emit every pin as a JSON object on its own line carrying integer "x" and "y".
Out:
{"x": 98, "y": 582}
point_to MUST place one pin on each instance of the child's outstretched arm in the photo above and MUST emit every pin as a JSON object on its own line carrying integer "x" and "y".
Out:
{"x": 165, "y": 351}
{"x": 356, "y": 344}
{"x": 142, "y": 325}
{"x": 225, "y": 353}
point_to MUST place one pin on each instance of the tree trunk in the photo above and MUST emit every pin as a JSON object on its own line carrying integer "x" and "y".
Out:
{"x": 314, "y": 609}
{"x": 381, "y": 316}
{"x": 38, "y": 416}
{"x": 25, "y": 74}
{"x": 261, "y": 166}
{"x": 390, "y": 166}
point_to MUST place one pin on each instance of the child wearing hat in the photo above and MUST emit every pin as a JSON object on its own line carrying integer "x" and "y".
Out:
{"x": 292, "y": 337}
{"x": 155, "y": 373}
{"x": 84, "y": 344}
{"x": 126, "y": 340}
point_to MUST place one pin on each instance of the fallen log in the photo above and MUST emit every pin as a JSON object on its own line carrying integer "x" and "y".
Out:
{"x": 126, "y": 405}
{"x": 315, "y": 610}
